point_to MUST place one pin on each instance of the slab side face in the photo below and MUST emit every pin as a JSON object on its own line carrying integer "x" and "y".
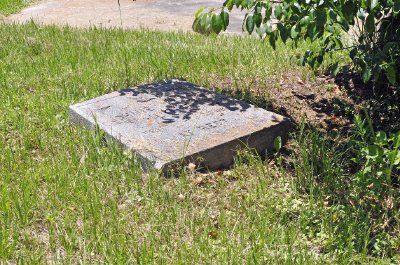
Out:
{"x": 166, "y": 122}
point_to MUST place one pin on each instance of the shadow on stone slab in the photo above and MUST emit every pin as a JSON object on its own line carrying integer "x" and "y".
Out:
{"x": 184, "y": 99}
{"x": 170, "y": 123}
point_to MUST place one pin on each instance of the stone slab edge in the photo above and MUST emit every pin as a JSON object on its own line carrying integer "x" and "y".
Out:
{"x": 260, "y": 141}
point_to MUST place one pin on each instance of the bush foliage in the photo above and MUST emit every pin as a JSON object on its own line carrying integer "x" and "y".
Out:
{"x": 373, "y": 27}
{"x": 357, "y": 183}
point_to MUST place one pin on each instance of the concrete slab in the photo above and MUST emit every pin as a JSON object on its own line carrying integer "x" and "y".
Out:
{"x": 173, "y": 15}
{"x": 174, "y": 121}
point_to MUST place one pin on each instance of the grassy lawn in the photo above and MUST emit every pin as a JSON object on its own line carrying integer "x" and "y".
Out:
{"x": 66, "y": 196}
{"x": 8, "y": 7}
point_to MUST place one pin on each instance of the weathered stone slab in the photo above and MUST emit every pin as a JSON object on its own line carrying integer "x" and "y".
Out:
{"x": 173, "y": 121}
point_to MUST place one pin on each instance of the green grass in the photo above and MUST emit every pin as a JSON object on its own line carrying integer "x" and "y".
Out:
{"x": 8, "y": 7}
{"x": 66, "y": 196}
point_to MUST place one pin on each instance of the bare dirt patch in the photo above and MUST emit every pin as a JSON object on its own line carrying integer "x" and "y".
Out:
{"x": 320, "y": 102}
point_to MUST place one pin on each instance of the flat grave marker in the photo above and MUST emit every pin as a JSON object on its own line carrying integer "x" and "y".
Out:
{"x": 173, "y": 122}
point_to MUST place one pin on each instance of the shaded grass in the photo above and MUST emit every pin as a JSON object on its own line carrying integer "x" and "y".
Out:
{"x": 67, "y": 196}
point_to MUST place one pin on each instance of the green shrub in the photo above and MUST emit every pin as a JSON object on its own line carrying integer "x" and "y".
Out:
{"x": 375, "y": 24}
{"x": 357, "y": 185}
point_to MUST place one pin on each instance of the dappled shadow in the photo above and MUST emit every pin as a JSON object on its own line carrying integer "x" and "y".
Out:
{"x": 382, "y": 103}
{"x": 183, "y": 99}
{"x": 260, "y": 102}
{"x": 333, "y": 106}
{"x": 337, "y": 112}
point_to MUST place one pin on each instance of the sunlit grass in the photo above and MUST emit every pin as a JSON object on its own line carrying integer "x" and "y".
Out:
{"x": 67, "y": 196}
{"x": 8, "y": 7}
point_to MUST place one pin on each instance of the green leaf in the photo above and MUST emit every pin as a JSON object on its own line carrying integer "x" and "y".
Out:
{"x": 361, "y": 14}
{"x": 312, "y": 31}
{"x": 205, "y": 23}
{"x": 294, "y": 32}
{"x": 258, "y": 8}
{"x": 374, "y": 3}
{"x": 278, "y": 143}
{"x": 373, "y": 152}
{"x": 334, "y": 69}
{"x": 202, "y": 24}
{"x": 268, "y": 12}
{"x": 250, "y": 24}
{"x": 283, "y": 32}
{"x": 366, "y": 74}
{"x": 217, "y": 23}
{"x": 196, "y": 25}
{"x": 381, "y": 137}
{"x": 396, "y": 6}
{"x": 260, "y": 31}
{"x": 332, "y": 15}
{"x": 397, "y": 159}
{"x": 268, "y": 27}
{"x": 225, "y": 19}
{"x": 330, "y": 28}
{"x": 228, "y": 4}
{"x": 247, "y": 3}
{"x": 391, "y": 74}
{"x": 272, "y": 40}
{"x": 257, "y": 18}
{"x": 320, "y": 58}
{"x": 353, "y": 53}
{"x": 265, "y": 28}
{"x": 305, "y": 21}
{"x": 348, "y": 10}
{"x": 296, "y": 7}
{"x": 199, "y": 12}
{"x": 370, "y": 23}
{"x": 278, "y": 12}
{"x": 320, "y": 18}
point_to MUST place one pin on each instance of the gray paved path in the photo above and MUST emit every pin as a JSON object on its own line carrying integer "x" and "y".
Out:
{"x": 175, "y": 15}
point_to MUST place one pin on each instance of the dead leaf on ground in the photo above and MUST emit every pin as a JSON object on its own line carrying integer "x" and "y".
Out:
{"x": 389, "y": 203}
{"x": 198, "y": 180}
{"x": 191, "y": 166}
{"x": 300, "y": 82}
{"x": 213, "y": 234}
{"x": 181, "y": 197}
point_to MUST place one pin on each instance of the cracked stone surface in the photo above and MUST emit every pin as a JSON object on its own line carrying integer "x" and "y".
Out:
{"x": 174, "y": 121}
{"x": 174, "y": 15}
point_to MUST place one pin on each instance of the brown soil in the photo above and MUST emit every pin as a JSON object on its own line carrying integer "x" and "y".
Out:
{"x": 322, "y": 102}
